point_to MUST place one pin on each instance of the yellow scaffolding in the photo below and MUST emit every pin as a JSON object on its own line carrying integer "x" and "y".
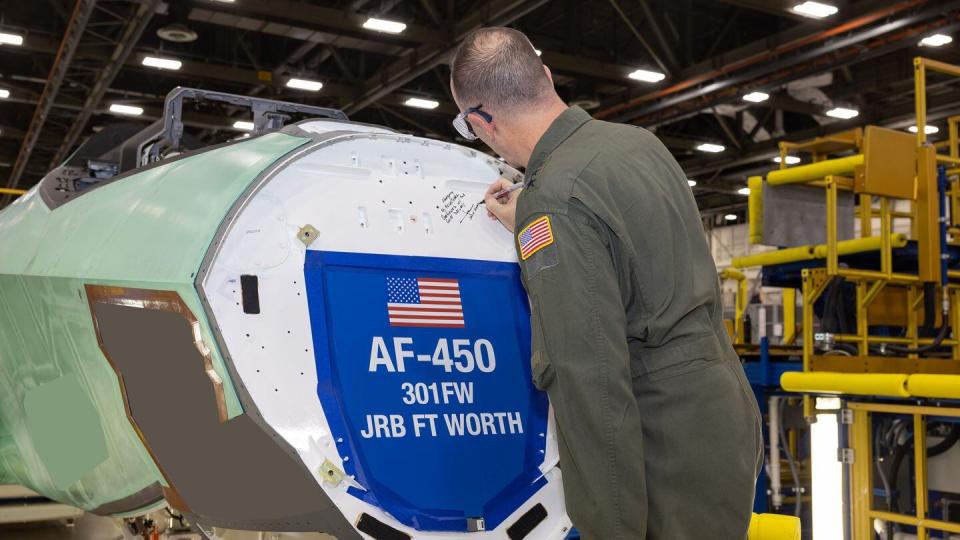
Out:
{"x": 874, "y": 153}
{"x": 861, "y": 471}
{"x": 900, "y": 294}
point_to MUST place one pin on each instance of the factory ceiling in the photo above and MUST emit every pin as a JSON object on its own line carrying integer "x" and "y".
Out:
{"x": 678, "y": 67}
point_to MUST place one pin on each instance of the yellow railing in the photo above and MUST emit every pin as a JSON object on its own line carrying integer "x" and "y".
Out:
{"x": 8, "y": 191}
{"x": 804, "y": 253}
{"x": 815, "y": 171}
{"x": 900, "y": 385}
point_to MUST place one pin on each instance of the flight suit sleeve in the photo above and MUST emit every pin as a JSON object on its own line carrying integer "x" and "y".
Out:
{"x": 580, "y": 358}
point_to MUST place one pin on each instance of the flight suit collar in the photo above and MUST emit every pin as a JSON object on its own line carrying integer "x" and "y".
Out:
{"x": 562, "y": 128}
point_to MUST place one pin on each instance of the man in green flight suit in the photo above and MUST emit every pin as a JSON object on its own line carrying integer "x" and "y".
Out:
{"x": 659, "y": 432}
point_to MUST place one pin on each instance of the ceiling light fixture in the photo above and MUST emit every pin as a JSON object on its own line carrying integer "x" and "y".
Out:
{"x": 421, "y": 103}
{"x": 730, "y": 217}
{"x": 162, "y": 63}
{"x": 791, "y": 160}
{"x": 4, "y": 93}
{"x": 131, "y": 110}
{"x": 383, "y": 25}
{"x": 691, "y": 183}
{"x": 305, "y": 84}
{"x": 10, "y": 39}
{"x": 756, "y": 97}
{"x": 842, "y": 113}
{"x": 711, "y": 148}
{"x": 244, "y": 125}
{"x": 936, "y": 40}
{"x": 929, "y": 130}
{"x": 816, "y": 10}
{"x": 744, "y": 191}
{"x": 647, "y": 76}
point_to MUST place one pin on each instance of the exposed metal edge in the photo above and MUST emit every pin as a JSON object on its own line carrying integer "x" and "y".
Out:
{"x": 292, "y": 130}
{"x": 145, "y": 498}
{"x": 296, "y": 130}
{"x": 143, "y": 510}
{"x": 53, "y": 204}
{"x": 343, "y": 529}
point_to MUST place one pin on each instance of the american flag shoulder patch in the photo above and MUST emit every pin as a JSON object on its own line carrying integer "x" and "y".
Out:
{"x": 535, "y": 236}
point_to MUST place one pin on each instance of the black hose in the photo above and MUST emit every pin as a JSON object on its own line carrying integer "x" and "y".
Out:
{"x": 848, "y": 348}
{"x": 941, "y": 335}
{"x": 947, "y": 442}
{"x": 797, "y": 488}
{"x": 898, "y": 456}
{"x": 832, "y": 300}
{"x": 836, "y": 318}
{"x": 901, "y": 452}
{"x": 929, "y": 308}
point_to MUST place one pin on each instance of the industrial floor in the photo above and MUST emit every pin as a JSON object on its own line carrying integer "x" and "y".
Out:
{"x": 86, "y": 527}
{"x": 91, "y": 527}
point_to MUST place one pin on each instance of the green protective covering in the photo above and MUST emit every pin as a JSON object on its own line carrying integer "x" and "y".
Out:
{"x": 59, "y": 411}
{"x": 150, "y": 230}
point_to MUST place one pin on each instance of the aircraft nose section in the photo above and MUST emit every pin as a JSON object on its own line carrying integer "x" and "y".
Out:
{"x": 375, "y": 319}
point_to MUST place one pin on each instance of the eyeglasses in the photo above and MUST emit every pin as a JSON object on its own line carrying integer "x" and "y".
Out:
{"x": 464, "y": 128}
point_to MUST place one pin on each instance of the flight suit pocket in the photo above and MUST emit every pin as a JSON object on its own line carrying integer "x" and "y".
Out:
{"x": 540, "y": 368}
{"x": 680, "y": 368}
{"x": 681, "y": 357}
{"x": 543, "y": 374}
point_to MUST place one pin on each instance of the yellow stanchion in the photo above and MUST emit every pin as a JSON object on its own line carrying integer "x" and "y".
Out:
{"x": 934, "y": 386}
{"x": 815, "y": 171}
{"x": 863, "y": 384}
{"x": 804, "y": 253}
{"x": 779, "y": 256}
{"x": 755, "y": 209}
{"x": 773, "y": 527}
{"x": 858, "y": 245}
{"x": 739, "y": 334}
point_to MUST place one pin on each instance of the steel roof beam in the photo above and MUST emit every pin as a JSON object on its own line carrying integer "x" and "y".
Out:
{"x": 423, "y": 59}
{"x": 557, "y": 61}
{"x": 939, "y": 108}
{"x": 780, "y": 8}
{"x": 316, "y": 17}
{"x": 643, "y": 41}
{"x": 131, "y": 36}
{"x": 759, "y": 52}
{"x": 858, "y": 47}
{"x": 658, "y": 34}
{"x": 68, "y": 47}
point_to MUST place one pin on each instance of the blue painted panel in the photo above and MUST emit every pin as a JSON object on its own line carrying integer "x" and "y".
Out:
{"x": 432, "y": 443}
{"x": 768, "y": 375}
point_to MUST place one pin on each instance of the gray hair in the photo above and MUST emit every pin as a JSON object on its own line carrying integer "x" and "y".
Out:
{"x": 497, "y": 67}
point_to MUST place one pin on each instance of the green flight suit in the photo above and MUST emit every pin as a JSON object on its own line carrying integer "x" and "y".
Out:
{"x": 658, "y": 430}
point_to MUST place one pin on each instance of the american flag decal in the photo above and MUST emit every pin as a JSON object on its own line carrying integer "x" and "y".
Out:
{"x": 535, "y": 236}
{"x": 431, "y": 302}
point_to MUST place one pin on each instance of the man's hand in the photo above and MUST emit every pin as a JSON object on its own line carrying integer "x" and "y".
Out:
{"x": 504, "y": 208}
